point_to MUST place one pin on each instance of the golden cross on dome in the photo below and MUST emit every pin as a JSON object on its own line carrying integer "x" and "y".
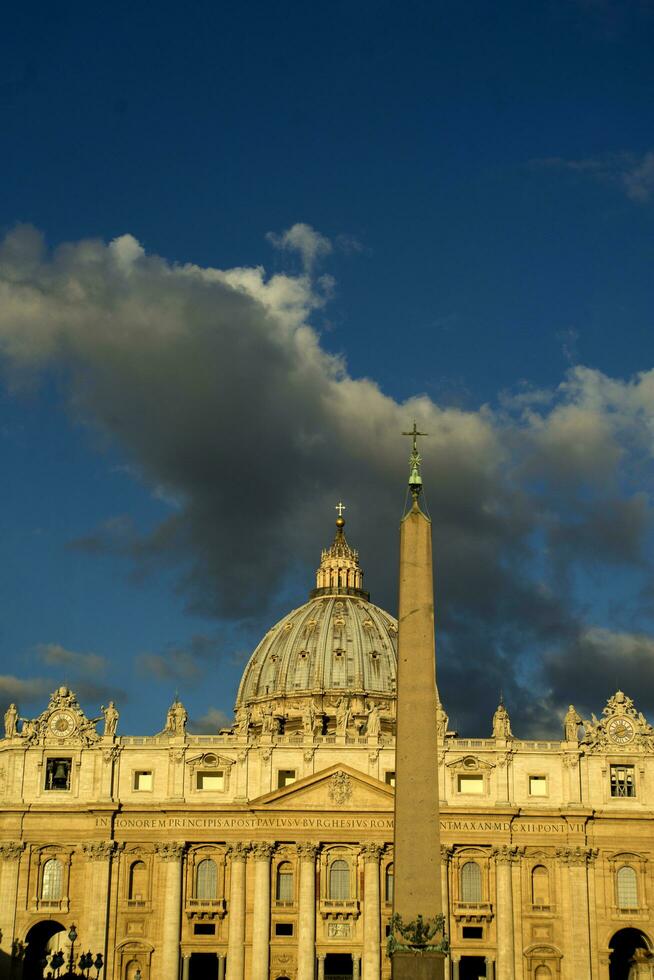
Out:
{"x": 340, "y": 507}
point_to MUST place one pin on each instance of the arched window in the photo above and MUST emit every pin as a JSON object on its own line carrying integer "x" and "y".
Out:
{"x": 138, "y": 882}
{"x": 542, "y": 973}
{"x": 206, "y": 880}
{"x": 540, "y": 886}
{"x": 471, "y": 882}
{"x": 52, "y": 880}
{"x": 284, "y": 890}
{"x": 339, "y": 881}
{"x": 390, "y": 882}
{"x": 627, "y": 888}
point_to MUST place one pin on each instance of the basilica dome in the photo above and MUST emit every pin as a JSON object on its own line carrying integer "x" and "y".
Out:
{"x": 338, "y": 647}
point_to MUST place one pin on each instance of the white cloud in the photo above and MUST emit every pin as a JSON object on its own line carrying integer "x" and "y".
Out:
{"x": 55, "y": 655}
{"x": 215, "y": 386}
{"x": 306, "y": 241}
{"x": 211, "y": 722}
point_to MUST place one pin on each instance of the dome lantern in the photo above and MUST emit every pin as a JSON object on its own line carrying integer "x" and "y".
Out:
{"x": 339, "y": 572}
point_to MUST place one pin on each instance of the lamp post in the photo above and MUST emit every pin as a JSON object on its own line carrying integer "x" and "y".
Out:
{"x": 72, "y": 935}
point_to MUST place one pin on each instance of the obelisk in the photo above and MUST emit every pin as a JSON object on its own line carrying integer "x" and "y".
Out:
{"x": 417, "y": 856}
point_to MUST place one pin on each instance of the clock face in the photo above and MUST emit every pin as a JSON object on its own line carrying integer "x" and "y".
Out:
{"x": 61, "y": 724}
{"x": 621, "y": 730}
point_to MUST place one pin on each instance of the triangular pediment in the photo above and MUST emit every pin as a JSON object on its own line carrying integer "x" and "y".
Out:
{"x": 339, "y": 787}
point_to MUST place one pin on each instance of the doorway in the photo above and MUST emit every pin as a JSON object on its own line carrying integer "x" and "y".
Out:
{"x": 624, "y": 945}
{"x": 43, "y": 939}
{"x": 338, "y": 966}
{"x": 203, "y": 966}
{"x": 472, "y": 967}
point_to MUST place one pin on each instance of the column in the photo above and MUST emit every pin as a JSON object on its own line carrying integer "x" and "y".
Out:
{"x": 455, "y": 968}
{"x": 186, "y": 966}
{"x": 371, "y": 910}
{"x": 490, "y": 968}
{"x": 171, "y": 856}
{"x": 504, "y": 858}
{"x": 577, "y": 859}
{"x": 98, "y": 855}
{"x": 355, "y": 967}
{"x": 446, "y": 855}
{"x": 221, "y": 967}
{"x": 321, "y": 966}
{"x": 236, "y": 927}
{"x": 10, "y": 854}
{"x": 262, "y": 852}
{"x": 306, "y": 939}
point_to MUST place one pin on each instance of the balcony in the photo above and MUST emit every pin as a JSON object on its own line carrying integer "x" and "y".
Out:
{"x": 206, "y": 908}
{"x": 331, "y": 908}
{"x": 473, "y": 911}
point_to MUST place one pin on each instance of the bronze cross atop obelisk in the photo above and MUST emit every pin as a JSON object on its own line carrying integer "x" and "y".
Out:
{"x": 415, "y": 459}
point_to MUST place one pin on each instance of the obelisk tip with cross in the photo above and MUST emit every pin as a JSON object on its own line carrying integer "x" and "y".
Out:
{"x": 417, "y": 902}
{"x": 415, "y": 459}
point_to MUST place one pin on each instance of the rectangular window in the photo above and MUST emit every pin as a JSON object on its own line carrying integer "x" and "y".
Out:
{"x": 211, "y": 781}
{"x": 283, "y": 928}
{"x": 57, "y": 774}
{"x": 472, "y": 932}
{"x": 538, "y": 785}
{"x": 471, "y": 784}
{"x": 204, "y": 929}
{"x": 623, "y": 782}
{"x": 285, "y": 777}
{"x": 142, "y": 781}
{"x": 389, "y": 778}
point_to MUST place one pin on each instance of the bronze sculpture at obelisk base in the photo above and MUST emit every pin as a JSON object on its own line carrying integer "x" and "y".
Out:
{"x": 417, "y": 944}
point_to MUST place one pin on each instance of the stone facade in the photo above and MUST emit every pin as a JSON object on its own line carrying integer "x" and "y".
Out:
{"x": 265, "y": 851}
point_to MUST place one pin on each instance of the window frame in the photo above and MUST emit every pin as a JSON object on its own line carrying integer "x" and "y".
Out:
{"x": 627, "y": 767}
{"x": 142, "y": 772}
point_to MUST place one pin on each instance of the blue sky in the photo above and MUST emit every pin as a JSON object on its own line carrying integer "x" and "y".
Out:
{"x": 470, "y": 194}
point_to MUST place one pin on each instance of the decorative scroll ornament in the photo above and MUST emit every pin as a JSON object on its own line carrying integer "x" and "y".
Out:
{"x": 417, "y": 935}
{"x": 11, "y": 850}
{"x": 63, "y": 720}
{"x": 621, "y": 725}
{"x": 238, "y": 851}
{"x": 170, "y": 851}
{"x": 307, "y": 850}
{"x": 340, "y": 788}
{"x": 263, "y": 850}
{"x": 371, "y": 851}
{"x": 99, "y": 850}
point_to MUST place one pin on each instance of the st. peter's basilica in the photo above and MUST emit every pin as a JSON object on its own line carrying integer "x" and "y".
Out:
{"x": 264, "y": 852}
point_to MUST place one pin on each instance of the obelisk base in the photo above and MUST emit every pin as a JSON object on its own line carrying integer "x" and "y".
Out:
{"x": 414, "y": 966}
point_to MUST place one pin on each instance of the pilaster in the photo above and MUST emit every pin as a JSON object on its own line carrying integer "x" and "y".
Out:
{"x": 10, "y": 857}
{"x": 306, "y": 941}
{"x": 371, "y": 910}
{"x": 171, "y": 854}
{"x": 238, "y": 853}
{"x": 262, "y": 852}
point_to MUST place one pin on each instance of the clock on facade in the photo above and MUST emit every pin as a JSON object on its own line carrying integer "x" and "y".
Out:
{"x": 62, "y": 724}
{"x": 621, "y": 730}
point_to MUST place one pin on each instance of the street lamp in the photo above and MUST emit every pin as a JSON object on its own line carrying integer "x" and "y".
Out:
{"x": 72, "y": 935}
{"x": 137, "y": 975}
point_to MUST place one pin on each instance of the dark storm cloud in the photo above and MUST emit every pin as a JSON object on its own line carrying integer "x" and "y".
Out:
{"x": 216, "y": 388}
